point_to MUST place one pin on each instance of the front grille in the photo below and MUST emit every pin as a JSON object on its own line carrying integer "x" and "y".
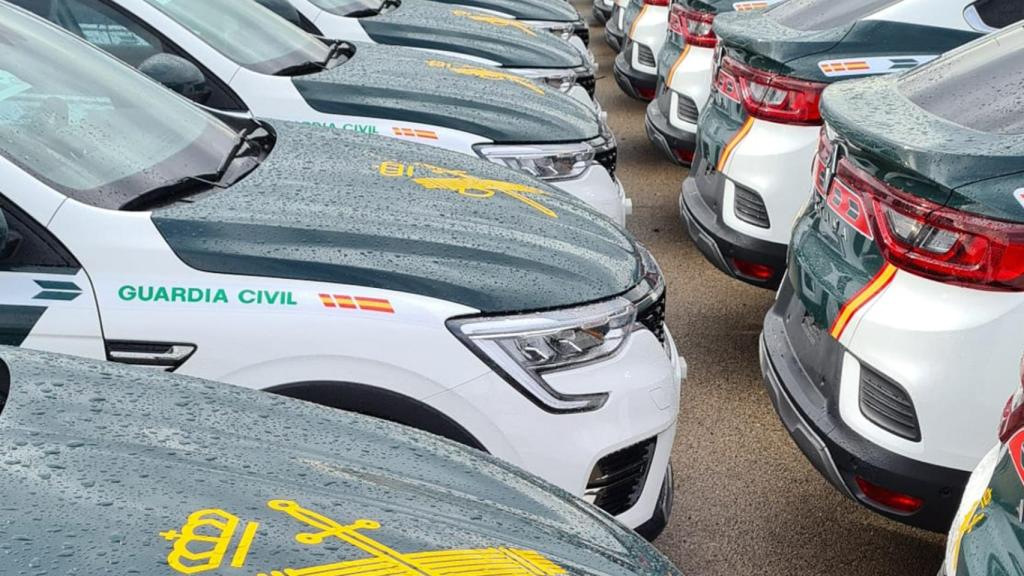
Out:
{"x": 618, "y": 479}
{"x": 645, "y": 56}
{"x": 588, "y": 82}
{"x": 686, "y": 109}
{"x": 608, "y": 158}
{"x": 583, "y": 31}
{"x": 653, "y": 318}
{"x": 749, "y": 207}
{"x": 887, "y": 404}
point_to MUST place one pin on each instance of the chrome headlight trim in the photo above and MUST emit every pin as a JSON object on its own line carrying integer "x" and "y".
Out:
{"x": 551, "y": 162}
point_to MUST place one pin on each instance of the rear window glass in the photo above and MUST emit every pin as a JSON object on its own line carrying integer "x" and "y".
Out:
{"x": 978, "y": 87}
{"x": 824, "y": 14}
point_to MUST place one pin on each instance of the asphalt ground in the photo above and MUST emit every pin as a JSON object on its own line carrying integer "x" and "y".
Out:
{"x": 747, "y": 501}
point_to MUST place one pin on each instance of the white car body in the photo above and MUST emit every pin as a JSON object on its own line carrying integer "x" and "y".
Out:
{"x": 276, "y": 97}
{"x": 646, "y": 38}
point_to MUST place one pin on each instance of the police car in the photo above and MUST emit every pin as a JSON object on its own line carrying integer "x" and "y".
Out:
{"x": 558, "y": 17}
{"x": 239, "y": 56}
{"x": 615, "y": 27}
{"x": 115, "y": 469}
{"x": 369, "y": 274}
{"x": 684, "y": 73}
{"x": 462, "y": 28}
{"x": 636, "y": 66}
{"x": 758, "y": 132}
{"x": 898, "y": 327}
{"x": 985, "y": 537}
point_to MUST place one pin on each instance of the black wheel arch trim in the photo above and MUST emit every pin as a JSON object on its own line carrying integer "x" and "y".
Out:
{"x": 379, "y": 403}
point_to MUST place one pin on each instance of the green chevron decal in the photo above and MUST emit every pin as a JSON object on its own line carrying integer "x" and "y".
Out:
{"x": 57, "y": 290}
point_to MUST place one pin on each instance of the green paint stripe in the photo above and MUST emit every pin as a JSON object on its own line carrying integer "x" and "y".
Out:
{"x": 52, "y": 295}
{"x": 58, "y": 285}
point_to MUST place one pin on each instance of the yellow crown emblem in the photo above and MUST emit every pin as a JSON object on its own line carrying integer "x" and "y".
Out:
{"x": 204, "y": 540}
{"x": 486, "y": 74}
{"x": 496, "y": 21}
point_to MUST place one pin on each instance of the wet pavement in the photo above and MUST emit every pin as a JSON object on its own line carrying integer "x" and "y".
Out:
{"x": 747, "y": 501}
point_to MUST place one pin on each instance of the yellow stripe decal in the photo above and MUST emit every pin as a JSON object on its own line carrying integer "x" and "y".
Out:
{"x": 880, "y": 281}
{"x": 731, "y": 146}
{"x": 672, "y": 70}
{"x": 632, "y": 29}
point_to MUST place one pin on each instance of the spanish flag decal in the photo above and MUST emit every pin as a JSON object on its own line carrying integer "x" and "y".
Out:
{"x": 346, "y": 302}
{"x": 866, "y": 294}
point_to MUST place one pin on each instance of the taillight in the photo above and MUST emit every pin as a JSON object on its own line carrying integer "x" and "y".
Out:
{"x": 771, "y": 96}
{"x": 695, "y": 26}
{"x": 656, "y": 2}
{"x": 1013, "y": 413}
{"x": 821, "y": 160}
{"x": 937, "y": 242}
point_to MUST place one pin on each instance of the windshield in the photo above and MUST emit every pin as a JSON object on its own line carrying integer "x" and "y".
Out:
{"x": 824, "y": 14}
{"x": 348, "y": 7}
{"x": 89, "y": 125}
{"x": 978, "y": 87}
{"x": 246, "y": 32}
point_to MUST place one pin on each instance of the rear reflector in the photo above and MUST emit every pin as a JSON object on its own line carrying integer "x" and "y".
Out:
{"x": 888, "y": 498}
{"x": 684, "y": 156}
{"x": 753, "y": 270}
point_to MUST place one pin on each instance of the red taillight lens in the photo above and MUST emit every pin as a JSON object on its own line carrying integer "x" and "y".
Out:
{"x": 694, "y": 26}
{"x": 888, "y": 498}
{"x": 1013, "y": 413}
{"x": 753, "y": 270}
{"x": 656, "y": 2}
{"x": 821, "y": 161}
{"x": 770, "y": 96}
{"x": 939, "y": 242}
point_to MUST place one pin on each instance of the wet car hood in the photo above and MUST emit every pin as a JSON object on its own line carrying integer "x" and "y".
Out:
{"x": 409, "y": 85}
{"x": 512, "y": 44}
{"x": 333, "y": 206}
{"x": 771, "y": 45}
{"x": 878, "y": 118}
{"x": 547, "y": 10}
{"x": 111, "y": 469}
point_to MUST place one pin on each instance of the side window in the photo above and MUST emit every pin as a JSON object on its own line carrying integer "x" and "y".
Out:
{"x": 29, "y": 245}
{"x": 998, "y": 13}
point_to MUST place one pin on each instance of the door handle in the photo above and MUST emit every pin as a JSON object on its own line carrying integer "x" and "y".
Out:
{"x": 164, "y": 355}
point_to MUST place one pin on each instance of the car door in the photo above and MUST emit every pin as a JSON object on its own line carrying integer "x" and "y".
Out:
{"x": 46, "y": 298}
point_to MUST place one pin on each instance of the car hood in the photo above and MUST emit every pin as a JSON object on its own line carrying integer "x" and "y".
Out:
{"x": 878, "y": 119}
{"x": 408, "y": 85}
{"x": 547, "y": 10}
{"x": 512, "y": 44}
{"x": 332, "y": 206}
{"x": 108, "y": 468}
{"x": 768, "y": 44}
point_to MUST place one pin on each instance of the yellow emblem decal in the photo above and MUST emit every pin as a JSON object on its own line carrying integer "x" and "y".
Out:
{"x": 465, "y": 184}
{"x": 384, "y": 561}
{"x": 486, "y": 74}
{"x": 495, "y": 21}
{"x": 974, "y": 518}
{"x": 204, "y": 540}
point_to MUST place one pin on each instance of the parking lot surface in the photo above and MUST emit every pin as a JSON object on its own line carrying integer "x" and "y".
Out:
{"x": 747, "y": 501}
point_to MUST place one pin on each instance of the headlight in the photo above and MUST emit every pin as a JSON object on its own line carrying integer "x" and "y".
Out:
{"x": 563, "y": 30}
{"x": 545, "y": 161}
{"x": 973, "y": 493}
{"x": 524, "y": 348}
{"x": 560, "y": 79}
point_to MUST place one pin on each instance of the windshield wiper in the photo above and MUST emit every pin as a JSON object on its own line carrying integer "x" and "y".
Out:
{"x": 338, "y": 48}
{"x": 300, "y": 69}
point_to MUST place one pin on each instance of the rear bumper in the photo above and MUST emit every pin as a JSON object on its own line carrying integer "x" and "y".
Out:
{"x": 674, "y": 143}
{"x": 835, "y": 450}
{"x": 600, "y": 12}
{"x": 634, "y": 83}
{"x": 721, "y": 245}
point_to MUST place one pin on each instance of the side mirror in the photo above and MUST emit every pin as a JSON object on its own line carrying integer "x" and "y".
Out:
{"x": 178, "y": 74}
{"x": 284, "y": 9}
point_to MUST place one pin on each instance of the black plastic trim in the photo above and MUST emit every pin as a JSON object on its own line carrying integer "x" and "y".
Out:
{"x": 379, "y": 403}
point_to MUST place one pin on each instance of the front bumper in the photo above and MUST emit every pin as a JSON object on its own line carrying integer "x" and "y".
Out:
{"x": 636, "y": 84}
{"x": 602, "y": 11}
{"x": 677, "y": 145}
{"x": 567, "y": 449}
{"x": 602, "y": 191}
{"x": 720, "y": 244}
{"x": 805, "y": 396}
